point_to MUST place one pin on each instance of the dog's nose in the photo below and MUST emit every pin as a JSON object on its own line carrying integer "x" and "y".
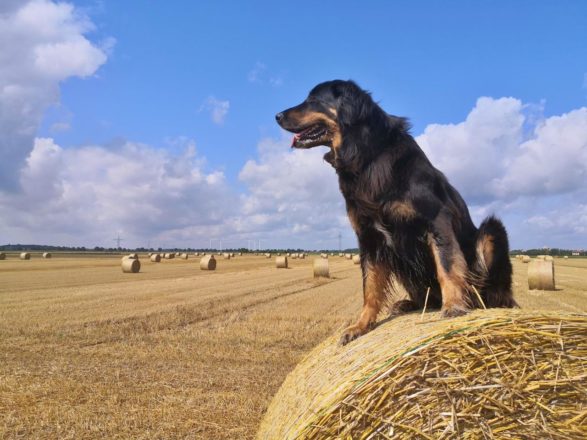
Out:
{"x": 279, "y": 116}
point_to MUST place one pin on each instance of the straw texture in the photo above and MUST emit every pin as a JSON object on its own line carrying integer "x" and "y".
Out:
{"x": 321, "y": 268}
{"x": 357, "y": 259}
{"x": 491, "y": 374}
{"x": 2, "y": 256}
{"x": 281, "y": 262}
{"x": 130, "y": 265}
{"x": 208, "y": 262}
{"x": 25, "y": 256}
{"x": 156, "y": 258}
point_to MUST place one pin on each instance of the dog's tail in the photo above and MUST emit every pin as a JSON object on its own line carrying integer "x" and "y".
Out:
{"x": 493, "y": 264}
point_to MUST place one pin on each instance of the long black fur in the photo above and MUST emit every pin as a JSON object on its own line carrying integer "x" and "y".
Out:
{"x": 378, "y": 163}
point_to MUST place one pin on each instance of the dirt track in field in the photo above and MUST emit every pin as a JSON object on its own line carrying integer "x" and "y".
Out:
{"x": 174, "y": 352}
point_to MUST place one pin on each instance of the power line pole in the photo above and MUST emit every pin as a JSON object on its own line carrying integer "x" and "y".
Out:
{"x": 339, "y": 242}
{"x": 118, "y": 240}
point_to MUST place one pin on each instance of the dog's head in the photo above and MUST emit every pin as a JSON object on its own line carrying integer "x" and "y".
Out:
{"x": 331, "y": 109}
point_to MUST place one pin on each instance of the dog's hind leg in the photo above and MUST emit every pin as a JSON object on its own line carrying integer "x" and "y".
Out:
{"x": 493, "y": 263}
{"x": 451, "y": 271}
{"x": 375, "y": 290}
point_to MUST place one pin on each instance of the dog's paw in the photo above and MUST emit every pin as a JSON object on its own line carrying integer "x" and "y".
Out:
{"x": 454, "y": 311}
{"x": 350, "y": 334}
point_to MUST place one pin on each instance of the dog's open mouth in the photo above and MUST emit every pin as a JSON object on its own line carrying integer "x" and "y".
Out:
{"x": 310, "y": 137}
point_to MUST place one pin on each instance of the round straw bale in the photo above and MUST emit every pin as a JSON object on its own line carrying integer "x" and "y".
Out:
{"x": 288, "y": 254}
{"x": 25, "y": 256}
{"x": 484, "y": 375}
{"x": 526, "y": 258}
{"x": 294, "y": 256}
{"x": 208, "y": 262}
{"x": 321, "y": 268}
{"x": 548, "y": 258}
{"x": 341, "y": 254}
{"x": 232, "y": 254}
{"x": 184, "y": 256}
{"x": 348, "y": 256}
{"x": 131, "y": 265}
{"x": 357, "y": 259}
{"x": 156, "y": 258}
{"x": 541, "y": 275}
{"x": 240, "y": 254}
{"x": 324, "y": 255}
{"x": 47, "y": 255}
{"x": 2, "y": 256}
{"x": 133, "y": 256}
{"x": 281, "y": 262}
{"x": 226, "y": 256}
{"x": 267, "y": 255}
{"x": 540, "y": 257}
{"x": 302, "y": 256}
{"x": 566, "y": 257}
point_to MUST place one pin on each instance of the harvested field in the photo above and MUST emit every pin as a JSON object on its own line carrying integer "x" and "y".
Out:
{"x": 87, "y": 351}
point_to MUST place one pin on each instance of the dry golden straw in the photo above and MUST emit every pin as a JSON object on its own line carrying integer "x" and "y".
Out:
{"x": 131, "y": 265}
{"x": 25, "y": 256}
{"x": 324, "y": 255}
{"x": 302, "y": 256}
{"x": 492, "y": 374}
{"x": 2, "y": 256}
{"x": 526, "y": 259}
{"x": 541, "y": 275}
{"x": 226, "y": 256}
{"x": 208, "y": 262}
{"x": 356, "y": 259}
{"x": 156, "y": 258}
{"x": 281, "y": 262}
{"x": 321, "y": 268}
{"x": 133, "y": 256}
{"x": 348, "y": 256}
{"x": 47, "y": 255}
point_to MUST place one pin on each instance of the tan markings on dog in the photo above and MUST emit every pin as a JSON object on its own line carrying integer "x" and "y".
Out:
{"x": 402, "y": 210}
{"x": 353, "y": 218}
{"x": 453, "y": 283}
{"x": 375, "y": 292}
{"x": 485, "y": 249}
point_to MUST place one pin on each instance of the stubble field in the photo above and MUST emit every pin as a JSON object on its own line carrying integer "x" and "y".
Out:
{"x": 174, "y": 352}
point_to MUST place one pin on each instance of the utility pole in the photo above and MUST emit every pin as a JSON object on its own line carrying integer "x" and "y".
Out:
{"x": 339, "y": 242}
{"x": 118, "y": 240}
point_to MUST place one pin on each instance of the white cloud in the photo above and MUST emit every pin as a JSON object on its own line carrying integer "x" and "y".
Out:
{"x": 87, "y": 194}
{"x": 508, "y": 159}
{"x": 43, "y": 43}
{"x": 260, "y": 74}
{"x": 59, "y": 127}
{"x": 218, "y": 109}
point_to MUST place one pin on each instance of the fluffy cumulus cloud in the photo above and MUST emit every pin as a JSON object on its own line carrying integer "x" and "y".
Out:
{"x": 86, "y": 195}
{"x": 43, "y": 43}
{"x": 508, "y": 159}
{"x": 293, "y": 198}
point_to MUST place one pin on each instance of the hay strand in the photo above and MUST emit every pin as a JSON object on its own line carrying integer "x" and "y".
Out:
{"x": 208, "y": 262}
{"x": 491, "y": 374}
{"x": 541, "y": 275}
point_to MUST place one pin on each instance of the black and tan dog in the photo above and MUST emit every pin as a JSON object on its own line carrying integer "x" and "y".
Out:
{"x": 413, "y": 227}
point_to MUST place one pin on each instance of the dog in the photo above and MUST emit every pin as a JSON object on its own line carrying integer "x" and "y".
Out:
{"x": 413, "y": 228}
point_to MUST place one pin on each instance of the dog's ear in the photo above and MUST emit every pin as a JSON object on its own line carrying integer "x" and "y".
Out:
{"x": 354, "y": 104}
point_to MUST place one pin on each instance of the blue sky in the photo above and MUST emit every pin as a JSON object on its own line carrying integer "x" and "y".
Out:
{"x": 168, "y": 66}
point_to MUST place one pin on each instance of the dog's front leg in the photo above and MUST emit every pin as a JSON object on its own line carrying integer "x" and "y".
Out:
{"x": 375, "y": 286}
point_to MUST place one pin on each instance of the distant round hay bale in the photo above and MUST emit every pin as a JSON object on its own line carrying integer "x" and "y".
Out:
{"x": 541, "y": 275}
{"x": 232, "y": 254}
{"x": 566, "y": 257}
{"x": 302, "y": 256}
{"x": 156, "y": 258}
{"x": 226, "y": 256}
{"x": 548, "y": 258}
{"x": 47, "y": 255}
{"x": 526, "y": 258}
{"x": 348, "y": 256}
{"x": 169, "y": 256}
{"x": 321, "y": 268}
{"x": 294, "y": 256}
{"x": 133, "y": 256}
{"x": 540, "y": 257}
{"x": 240, "y": 254}
{"x": 208, "y": 262}
{"x": 288, "y": 254}
{"x": 2, "y": 256}
{"x": 25, "y": 256}
{"x": 281, "y": 262}
{"x": 323, "y": 255}
{"x": 357, "y": 259}
{"x": 491, "y": 374}
{"x": 184, "y": 256}
{"x": 341, "y": 254}
{"x": 131, "y": 265}
{"x": 267, "y": 255}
